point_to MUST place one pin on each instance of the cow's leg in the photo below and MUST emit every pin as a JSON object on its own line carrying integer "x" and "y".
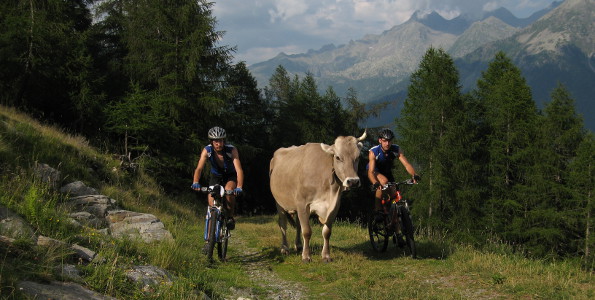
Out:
{"x": 304, "y": 219}
{"x": 298, "y": 236}
{"x": 326, "y": 235}
{"x": 283, "y": 228}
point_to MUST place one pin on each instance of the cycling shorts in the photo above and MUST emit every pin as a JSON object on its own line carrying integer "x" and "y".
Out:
{"x": 223, "y": 179}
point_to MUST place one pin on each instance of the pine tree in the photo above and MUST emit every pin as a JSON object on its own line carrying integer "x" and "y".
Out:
{"x": 45, "y": 65}
{"x": 583, "y": 184}
{"x": 561, "y": 132}
{"x": 434, "y": 133}
{"x": 511, "y": 131}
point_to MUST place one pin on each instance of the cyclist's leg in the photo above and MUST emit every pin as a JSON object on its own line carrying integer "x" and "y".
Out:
{"x": 213, "y": 181}
{"x": 231, "y": 184}
{"x": 378, "y": 194}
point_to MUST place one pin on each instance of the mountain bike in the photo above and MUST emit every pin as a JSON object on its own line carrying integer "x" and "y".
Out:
{"x": 216, "y": 230}
{"x": 394, "y": 221}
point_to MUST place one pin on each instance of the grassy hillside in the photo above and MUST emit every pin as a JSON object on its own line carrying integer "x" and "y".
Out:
{"x": 256, "y": 270}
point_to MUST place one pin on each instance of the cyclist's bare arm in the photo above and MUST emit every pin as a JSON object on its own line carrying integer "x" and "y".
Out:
{"x": 406, "y": 163}
{"x": 200, "y": 166}
{"x": 238, "y": 166}
{"x": 371, "y": 167}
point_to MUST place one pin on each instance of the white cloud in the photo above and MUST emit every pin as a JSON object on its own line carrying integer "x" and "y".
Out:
{"x": 263, "y": 28}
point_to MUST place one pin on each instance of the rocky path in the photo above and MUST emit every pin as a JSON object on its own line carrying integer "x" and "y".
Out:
{"x": 258, "y": 267}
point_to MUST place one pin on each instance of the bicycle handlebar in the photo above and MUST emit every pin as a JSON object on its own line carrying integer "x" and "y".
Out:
{"x": 216, "y": 190}
{"x": 404, "y": 182}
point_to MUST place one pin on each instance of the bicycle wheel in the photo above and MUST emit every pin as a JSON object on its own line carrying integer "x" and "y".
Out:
{"x": 378, "y": 234}
{"x": 222, "y": 242}
{"x": 212, "y": 233}
{"x": 407, "y": 228}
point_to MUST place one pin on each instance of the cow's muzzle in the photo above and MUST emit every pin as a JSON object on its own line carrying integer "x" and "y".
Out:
{"x": 351, "y": 182}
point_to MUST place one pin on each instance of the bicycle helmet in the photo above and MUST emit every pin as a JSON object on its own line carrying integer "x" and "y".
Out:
{"x": 217, "y": 133}
{"x": 386, "y": 134}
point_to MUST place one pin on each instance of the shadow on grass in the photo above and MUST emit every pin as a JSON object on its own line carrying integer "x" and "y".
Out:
{"x": 425, "y": 250}
{"x": 259, "y": 219}
{"x": 268, "y": 254}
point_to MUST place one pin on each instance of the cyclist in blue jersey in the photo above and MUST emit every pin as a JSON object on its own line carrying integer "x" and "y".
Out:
{"x": 226, "y": 169}
{"x": 380, "y": 164}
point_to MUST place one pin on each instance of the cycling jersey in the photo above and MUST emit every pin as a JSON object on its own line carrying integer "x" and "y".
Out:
{"x": 228, "y": 167}
{"x": 384, "y": 160}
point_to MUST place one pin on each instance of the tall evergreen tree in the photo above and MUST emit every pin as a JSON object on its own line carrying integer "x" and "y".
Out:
{"x": 561, "y": 132}
{"x": 434, "y": 134}
{"x": 172, "y": 53}
{"x": 281, "y": 92}
{"x": 511, "y": 131}
{"x": 582, "y": 181}
{"x": 45, "y": 66}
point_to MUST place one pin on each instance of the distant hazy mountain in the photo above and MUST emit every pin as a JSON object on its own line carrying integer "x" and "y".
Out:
{"x": 559, "y": 47}
{"x": 481, "y": 33}
{"x": 555, "y": 44}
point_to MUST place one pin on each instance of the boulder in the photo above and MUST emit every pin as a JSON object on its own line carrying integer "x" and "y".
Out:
{"x": 69, "y": 272}
{"x": 97, "y": 205}
{"x": 48, "y": 175}
{"x": 45, "y": 241}
{"x": 78, "y": 188}
{"x": 134, "y": 225}
{"x": 13, "y": 226}
{"x": 148, "y": 276}
{"x": 58, "y": 290}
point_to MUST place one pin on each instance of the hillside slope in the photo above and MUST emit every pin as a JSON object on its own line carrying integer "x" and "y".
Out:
{"x": 255, "y": 269}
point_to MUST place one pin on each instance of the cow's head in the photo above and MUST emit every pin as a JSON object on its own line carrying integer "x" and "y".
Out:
{"x": 346, "y": 153}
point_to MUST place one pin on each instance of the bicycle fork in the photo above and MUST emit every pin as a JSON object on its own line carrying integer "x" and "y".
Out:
{"x": 218, "y": 224}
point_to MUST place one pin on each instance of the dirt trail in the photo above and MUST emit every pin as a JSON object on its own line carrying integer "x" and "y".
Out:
{"x": 257, "y": 266}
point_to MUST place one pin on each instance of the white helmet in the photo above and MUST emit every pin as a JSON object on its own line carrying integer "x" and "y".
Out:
{"x": 217, "y": 133}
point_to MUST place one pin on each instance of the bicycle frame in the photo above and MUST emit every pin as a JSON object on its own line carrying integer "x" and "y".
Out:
{"x": 218, "y": 211}
{"x": 396, "y": 222}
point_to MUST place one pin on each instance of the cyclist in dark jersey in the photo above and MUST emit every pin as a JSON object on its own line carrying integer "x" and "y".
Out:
{"x": 380, "y": 164}
{"x": 226, "y": 169}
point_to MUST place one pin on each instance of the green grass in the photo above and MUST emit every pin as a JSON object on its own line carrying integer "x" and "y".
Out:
{"x": 444, "y": 270}
{"x": 358, "y": 273}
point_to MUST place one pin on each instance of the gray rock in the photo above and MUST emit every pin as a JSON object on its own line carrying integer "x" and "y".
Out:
{"x": 78, "y": 188}
{"x": 69, "y": 272}
{"x": 58, "y": 290}
{"x": 134, "y": 225}
{"x": 148, "y": 276}
{"x": 48, "y": 174}
{"x": 88, "y": 219}
{"x": 45, "y": 241}
{"x": 85, "y": 254}
{"x": 6, "y": 240}
{"x": 13, "y": 226}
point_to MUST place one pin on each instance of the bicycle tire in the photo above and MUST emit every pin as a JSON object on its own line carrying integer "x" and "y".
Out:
{"x": 408, "y": 230}
{"x": 212, "y": 238}
{"x": 222, "y": 239}
{"x": 378, "y": 235}
{"x": 222, "y": 243}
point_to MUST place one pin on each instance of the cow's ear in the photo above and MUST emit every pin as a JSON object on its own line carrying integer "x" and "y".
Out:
{"x": 328, "y": 149}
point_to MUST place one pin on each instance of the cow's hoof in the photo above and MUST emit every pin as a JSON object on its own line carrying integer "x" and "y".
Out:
{"x": 284, "y": 251}
{"x": 306, "y": 260}
{"x": 327, "y": 260}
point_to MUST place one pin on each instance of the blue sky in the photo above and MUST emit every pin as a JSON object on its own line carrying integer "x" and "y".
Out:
{"x": 261, "y": 29}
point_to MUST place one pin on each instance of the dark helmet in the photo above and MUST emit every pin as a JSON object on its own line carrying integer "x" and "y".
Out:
{"x": 217, "y": 133}
{"x": 386, "y": 134}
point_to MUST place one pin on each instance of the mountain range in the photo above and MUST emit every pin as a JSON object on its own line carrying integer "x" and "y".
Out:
{"x": 554, "y": 45}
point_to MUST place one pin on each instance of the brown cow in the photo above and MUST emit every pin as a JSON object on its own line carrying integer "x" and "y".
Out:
{"x": 309, "y": 179}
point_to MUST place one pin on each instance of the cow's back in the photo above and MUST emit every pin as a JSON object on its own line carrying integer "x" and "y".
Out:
{"x": 296, "y": 170}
